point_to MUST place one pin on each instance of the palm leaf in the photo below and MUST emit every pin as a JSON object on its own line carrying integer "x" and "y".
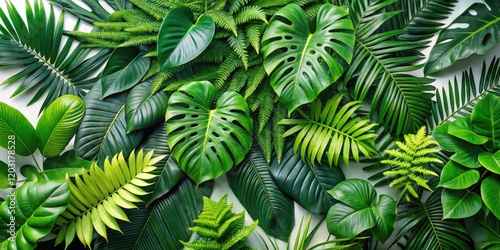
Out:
{"x": 332, "y": 130}
{"x": 424, "y": 227}
{"x": 144, "y": 108}
{"x": 459, "y": 98}
{"x": 97, "y": 12}
{"x": 97, "y": 197}
{"x": 400, "y": 100}
{"x": 53, "y": 69}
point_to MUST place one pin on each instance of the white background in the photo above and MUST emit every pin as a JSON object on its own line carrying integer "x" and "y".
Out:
{"x": 221, "y": 186}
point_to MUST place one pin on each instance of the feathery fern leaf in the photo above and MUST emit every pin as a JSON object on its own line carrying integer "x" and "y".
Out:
{"x": 278, "y": 130}
{"x": 264, "y": 139}
{"x": 97, "y": 197}
{"x": 97, "y": 12}
{"x": 332, "y": 129}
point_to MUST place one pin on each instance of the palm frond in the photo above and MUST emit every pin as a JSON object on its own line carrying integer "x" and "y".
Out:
{"x": 460, "y": 97}
{"x": 97, "y": 12}
{"x": 45, "y": 64}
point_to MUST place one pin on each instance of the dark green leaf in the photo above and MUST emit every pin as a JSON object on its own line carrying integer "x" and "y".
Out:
{"x": 458, "y": 204}
{"x": 181, "y": 38}
{"x": 67, "y": 160}
{"x": 485, "y": 118}
{"x": 16, "y": 133}
{"x": 125, "y": 68}
{"x": 31, "y": 173}
{"x": 455, "y": 176}
{"x": 462, "y": 128}
{"x": 465, "y": 153}
{"x": 385, "y": 211}
{"x": 484, "y": 229}
{"x": 356, "y": 193}
{"x": 254, "y": 187}
{"x": 144, "y": 108}
{"x": 346, "y": 222}
{"x": 490, "y": 192}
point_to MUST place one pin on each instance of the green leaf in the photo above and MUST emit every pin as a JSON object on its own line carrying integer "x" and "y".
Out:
{"x": 306, "y": 184}
{"x": 356, "y": 193}
{"x": 466, "y": 154}
{"x": 346, "y": 222}
{"x": 458, "y": 204}
{"x": 484, "y": 229}
{"x": 490, "y": 192}
{"x": 32, "y": 174}
{"x": 125, "y": 68}
{"x": 58, "y": 124}
{"x": 144, "y": 108}
{"x": 4, "y": 176}
{"x": 162, "y": 225}
{"x": 385, "y": 211}
{"x": 478, "y": 37}
{"x": 102, "y": 132}
{"x": 67, "y": 160}
{"x": 490, "y": 161}
{"x": 462, "y": 128}
{"x": 169, "y": 173}
{"x": 36, "y": 207}
{"x": 254, "y": 187}
{"x": 181, "y": 38}
{"x": 16, "y": 132}
{"x": 485, "y": 118}
{"x": 207, "y": 142}
{"x": 455, "y": 176}
{"x": 313, "y": 60}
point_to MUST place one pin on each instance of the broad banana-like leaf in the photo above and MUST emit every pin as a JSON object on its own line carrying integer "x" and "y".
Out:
{"x": 207, "y": 141}
{"x": 181, "y": 38}
{"x": 480, "y": 35}
{"x": 125, "y": 68}
{"x": 303, "y": 62}
{"x": 58, "y": 124}
{"x": 98, "y": 197}
{"x": 144, "y": 108}
{"x": 169, "y": 173}
{"x": 306, "y": 184}
{"x": 29, "y": 213}
{"x": 16, "y": 133}
{"x": 162, "y": 225}
{"x": 254, "y": 187}
{"x": 103, "y": 129}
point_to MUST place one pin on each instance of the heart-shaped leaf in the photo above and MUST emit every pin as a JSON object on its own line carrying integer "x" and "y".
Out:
{"x": 478, "y": 37}
{"x": 16, "y": 132}
{"x": 356, "y": 193}
{"x": 125, "y": 68}
{"x": 36, "y": 207}
{"x": 346, "y": 222}
{"x": 466, "y": 154}
{"x": 207, "y": 142}
{"x": 144, "y": 108}
{"x": 314, "y": 59}
{"x": 181, "y": 38}
{"x": 462, "y": 128}
{"x": 458, "y": 204}
{"x": 485, "y": 118}
{"x": 490, "y": 192}
{"x": 58, "y": 124}
{"x": 490, "y": 161}
{"x": 385, "y": 212}
{"x": 455, "y": 176}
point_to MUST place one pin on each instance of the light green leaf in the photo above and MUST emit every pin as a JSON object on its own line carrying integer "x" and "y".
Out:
{"x": 207, "y": 141}
{"x": 385, "y": 211}
{"x": 490, "y": 161}
{"x": 455, "y": 176}
{"x": 466, "y": 154}
{"x": 485, "y": 118}
{"x": 181, "y": 38}
{"x": 458, "y": 204}
{"x": 4, "y": 176}
{"x": 462, "y": 128}
{"x": 16, "y": 132}
{"x": 490, "y": 192}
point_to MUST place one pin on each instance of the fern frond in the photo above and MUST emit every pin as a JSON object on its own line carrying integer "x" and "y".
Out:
{"x": 139, "y": 40}
{"x": 278, "y": 130}
{"x": 267, "y": 4}
{"x": 236, "y": 5}
{"x": 132, "y": 16}
{"x": 227, "y": 67}
{"x": 238, "y": 80}
{"x": 249, "y": 13}
{"x": 224, "y": 20}
{"x": 254, "y": 33}
{"x": 152, "y": 27}
{"x": 239, "y": 45}
{"x": 264, "y": 140}
{"x": 257, "y": 75}
{"x": 203, "y": 72}
{"x": 202, "y": 245}
{"x": 101, "y": 35}
{"x": 152, "y": 8}
{"x": 113, "y": 26}
{"x": 98, "y": 196}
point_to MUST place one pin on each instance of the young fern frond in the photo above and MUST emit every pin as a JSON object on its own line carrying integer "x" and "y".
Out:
{"x": 249, "y": 13}
{"x": 219, "y": 227}
{"x": 278, "y": 130}
{"x": 254, "y": 33}
{"x": 236, "y": 5}
{"x": 152, "y": 8}
{"x": 408, "y": 162}
{"x": 132, "y": 16}
{"x": 224, "y": 20}
{"x": 139, "y": 40}
{"x": 264, "y": 140}
{"x": 240, "y": 47}
{"x": 98, "y": 197}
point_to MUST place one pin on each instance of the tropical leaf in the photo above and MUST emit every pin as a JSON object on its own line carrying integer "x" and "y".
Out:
{"x": 455, "y": 43}
{"x": 455, "y": 176}
{"x": 67, "y": 160}
{"x": 35, "y": 47}
{"x": 16, "y": 132}
{"x": 97, "y": 12}
{"x": 485, "y": 119}
{"x": 207, "y": 142}
{"x": 458, "y": 204}
{"x": 423, "y": 224}
{"x": 460, "y": 97}
{"x": 490, "y": 192}
{"x": 144, "y": 108}
{"x": 58, "y": 124}
{"x": 181, "y": 39}
{"x": 400, "y": 101}
{"x": 306, "y": 184}
{"x": 314, "y": 59}
{"x": 103, "y": 129}
{"x": 254, "y": 187}
{"x": 168, "y": 172}
{"x": 124, "y": 69}
{"x": 37, "y": 205}
{"x": 465, "y": 153}
{"x": 162, "y": 225}
{"x": 333, "y": 130}
{"x": 98, "y": 197}
{"x": 4, "y": 176}
{"x": 484, "y": 229}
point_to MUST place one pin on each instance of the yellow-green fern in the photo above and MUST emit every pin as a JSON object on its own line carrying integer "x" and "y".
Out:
{"x": 98, "y": 197}
{"x": 409, "y": 162}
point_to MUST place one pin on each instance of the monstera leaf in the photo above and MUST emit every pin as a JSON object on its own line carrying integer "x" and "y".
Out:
{"x": 181, "y": 39}
{"x": 314, "y": 59}
{"x": 207, "y": 142}
{"x": 480, "y": 36}
{"x": 16, "y": 131}
{"x": 37, "y": 205}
